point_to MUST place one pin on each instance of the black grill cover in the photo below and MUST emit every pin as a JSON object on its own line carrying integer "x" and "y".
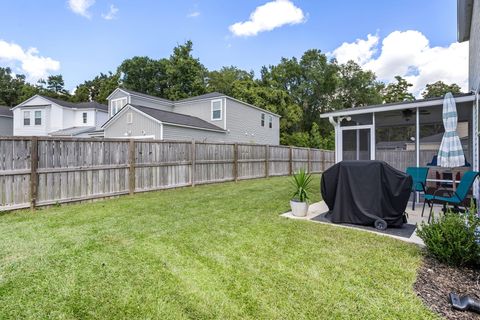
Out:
{"x": 360, "y": 192}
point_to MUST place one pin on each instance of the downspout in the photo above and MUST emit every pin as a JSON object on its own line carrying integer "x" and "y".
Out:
{"x": 335, "y": 126}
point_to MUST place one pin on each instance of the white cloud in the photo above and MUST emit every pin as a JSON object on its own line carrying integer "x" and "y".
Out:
{"x": 111, "y": 14}
{"x": 409, "y": 55}
{"x": 81, "y": 7}
{"x": 27, "y": 61}
{"x": 359, "y": 51}
{"x": 269, "y": 16}
{"x": 193, "y": 14}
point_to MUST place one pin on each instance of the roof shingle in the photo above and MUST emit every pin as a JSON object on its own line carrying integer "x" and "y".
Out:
{"x": 5, "y": 111}
{"x": 177, "y": 118}
{"x": 79, "y": 105}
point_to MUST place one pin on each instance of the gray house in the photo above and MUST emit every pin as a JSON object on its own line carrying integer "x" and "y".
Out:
{"x": 6, "y": 121}
{"x": 212, "y": 117}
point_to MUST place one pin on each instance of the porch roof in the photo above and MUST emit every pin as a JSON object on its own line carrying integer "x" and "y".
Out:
{"x": 421, "y": 103}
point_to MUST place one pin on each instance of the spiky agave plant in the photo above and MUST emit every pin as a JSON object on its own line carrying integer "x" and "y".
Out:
{"x": 301, "y": 181}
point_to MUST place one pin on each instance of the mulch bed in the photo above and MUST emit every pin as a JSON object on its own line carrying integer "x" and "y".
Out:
{"x": 436, "y": 280}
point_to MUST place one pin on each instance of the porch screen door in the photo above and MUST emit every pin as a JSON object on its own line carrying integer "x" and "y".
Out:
{"x": 356, "y": 143}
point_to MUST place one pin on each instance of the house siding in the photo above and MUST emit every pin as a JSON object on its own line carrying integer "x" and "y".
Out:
{"x": 202, "y": 110}
{"x": 474, "y": 48}
{"x": 141, "y": 126}
{"x": 100, "y": 118}
{"x": 150, "y": 103}
{"x": 6, "y": 126}
{"x": 182, "y": 133}
{"x": 244, "y": 125}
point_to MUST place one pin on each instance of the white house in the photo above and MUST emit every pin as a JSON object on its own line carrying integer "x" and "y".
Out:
{"x": 45, "y": 116}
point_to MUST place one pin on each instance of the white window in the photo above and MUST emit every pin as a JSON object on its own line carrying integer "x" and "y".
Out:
{"x": 129, "y": 117}
{"x": 26, "y": 118}
{"x": 217, "y": 109}
{"x": 84, "y": 117}
{"x": 270, "y": 122}
{"x": 262, "y": 119}
{"x": 38, "y": 118}
{"x": 116, "y": 105}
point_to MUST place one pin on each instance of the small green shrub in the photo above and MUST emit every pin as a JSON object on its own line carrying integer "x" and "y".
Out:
{"x": 453, "y": 238}
{"x": 301, "y": 183}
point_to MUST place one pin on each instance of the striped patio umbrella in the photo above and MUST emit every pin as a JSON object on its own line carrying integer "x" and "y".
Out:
{"x": 451, "y": 153}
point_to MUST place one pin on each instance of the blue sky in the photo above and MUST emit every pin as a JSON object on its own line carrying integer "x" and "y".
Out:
{"x": 81, "y": 45}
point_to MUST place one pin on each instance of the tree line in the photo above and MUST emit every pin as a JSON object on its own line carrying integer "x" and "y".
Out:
{"x": 298, "y": 89}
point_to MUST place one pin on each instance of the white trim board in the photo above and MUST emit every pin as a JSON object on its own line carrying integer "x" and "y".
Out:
{"x": 390, "y": 107}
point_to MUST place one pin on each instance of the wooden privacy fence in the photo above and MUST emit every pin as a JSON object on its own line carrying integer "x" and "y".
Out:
{"x": 402, "y": 159}
{"x": 38, "y": 171}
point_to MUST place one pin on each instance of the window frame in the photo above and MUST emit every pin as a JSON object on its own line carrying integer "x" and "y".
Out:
{"x": 25, "y": 112}
{"x": 262, "y": 119}
{"x": 84, "y": 117}
{"x": 114, "y": 105}
{"x": 212, "y": 109}
{"x": 270, "y": 122}
{"x": 129, "y": 117}
{"x": 35, "y": 118}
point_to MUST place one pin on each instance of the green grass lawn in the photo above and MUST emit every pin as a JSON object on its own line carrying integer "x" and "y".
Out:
{"x": 216, "y": 251}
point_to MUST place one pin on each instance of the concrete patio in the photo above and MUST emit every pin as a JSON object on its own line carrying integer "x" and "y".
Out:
{"x": 414, "y": 218}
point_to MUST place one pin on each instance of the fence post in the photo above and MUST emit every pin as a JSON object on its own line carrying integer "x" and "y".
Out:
{"x": 193, "y": 156}
{"x": 267, "y": 161}
{"x": 322, "y": 153}
{"x": 290, "y": 159}
{"x": 131, "y": 167}
{"x": 235, "y": 162}
{"x": 33, "y": 172}
{"x": 309, "y": 163}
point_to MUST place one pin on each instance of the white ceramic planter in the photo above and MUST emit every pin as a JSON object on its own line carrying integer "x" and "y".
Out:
{"x": 299, "y": 209}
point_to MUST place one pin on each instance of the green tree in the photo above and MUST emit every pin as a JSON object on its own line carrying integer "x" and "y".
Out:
{"x": 310, "y": 82}
{"x": 439, "y": 89}
{"x": 10, "y": 87}
{"x": 145, "y": 75}
{"x": 97, "y": 89}
{"x": 56, "y": 85}
{"x": 186, "y": 76}
{"x": 398, "y": 91}
{"x": 225, "y": 79}
{"x": 356, "y": 87}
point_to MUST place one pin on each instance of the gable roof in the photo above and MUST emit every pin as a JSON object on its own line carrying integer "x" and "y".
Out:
{"x": 144, "y": 95}
{"x": 6, "y": 112}
{"x": 173, "y": 118}
{"x": 67, "y": 104}
{"x": 210, "y": 95}
{"x": 78, "y": 105}
{"x": 206, "y": 96}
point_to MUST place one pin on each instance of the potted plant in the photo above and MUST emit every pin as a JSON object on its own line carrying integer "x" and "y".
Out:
{"x": 301, "y": 181}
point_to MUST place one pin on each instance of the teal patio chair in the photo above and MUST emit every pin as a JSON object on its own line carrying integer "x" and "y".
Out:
{"x": 419, "y": 179}
{"x": 454, "y": 197}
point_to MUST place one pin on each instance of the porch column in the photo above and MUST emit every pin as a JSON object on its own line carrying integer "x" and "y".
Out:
{"x": 417, "y": 136}
{"x": 372, "y": 139}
